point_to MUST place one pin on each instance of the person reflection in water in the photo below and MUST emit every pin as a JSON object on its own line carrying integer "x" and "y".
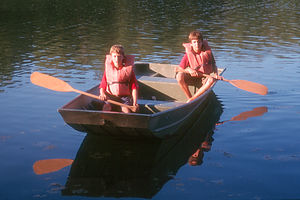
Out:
{"x": 197, "y": 157}
{"x": 119, "y": 82}
{"x": 197, "y": 60}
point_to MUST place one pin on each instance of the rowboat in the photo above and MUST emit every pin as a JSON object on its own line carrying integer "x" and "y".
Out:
{"x": 162, "y": 111}
{"x": 103, "y": 165}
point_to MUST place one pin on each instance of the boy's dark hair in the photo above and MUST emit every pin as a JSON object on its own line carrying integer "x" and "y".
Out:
{"x": 117, "y": 48}
{"x": 195, "y": 35}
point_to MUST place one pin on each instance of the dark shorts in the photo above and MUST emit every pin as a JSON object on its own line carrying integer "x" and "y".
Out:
{"x": 98, "y": 104}
{"x": 195, "y": 81}
{"x": 125, "y": 100}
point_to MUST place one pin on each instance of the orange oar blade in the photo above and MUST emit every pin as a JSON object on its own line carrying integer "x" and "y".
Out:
{"x": 51, "y": 165}
{"x": 250, "y": 86}
{"x": 50, "y": 82}
{"x": 259, "y": 111}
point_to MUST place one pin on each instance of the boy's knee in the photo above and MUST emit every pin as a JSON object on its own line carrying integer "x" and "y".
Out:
{"x": 210, "y": 79}
{"x": 125, "y": 110}
{"x": 180, "y": 77}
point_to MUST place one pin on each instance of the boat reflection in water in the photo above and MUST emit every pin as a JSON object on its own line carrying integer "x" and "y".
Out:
{"x": 118, "y": 167}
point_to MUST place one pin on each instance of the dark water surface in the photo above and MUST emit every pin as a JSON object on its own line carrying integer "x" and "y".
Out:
{"x": 255, "y": 158}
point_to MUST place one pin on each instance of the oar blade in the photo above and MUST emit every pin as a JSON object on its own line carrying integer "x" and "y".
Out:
{"x": 250, "y": 86}
{"x": 50, "y": 82}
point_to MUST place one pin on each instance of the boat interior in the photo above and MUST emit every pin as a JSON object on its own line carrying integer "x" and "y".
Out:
{"x": 158, "y": 90}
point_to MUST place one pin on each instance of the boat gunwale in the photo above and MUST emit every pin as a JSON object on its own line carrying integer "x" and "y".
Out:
{"x": 104, "y": 112}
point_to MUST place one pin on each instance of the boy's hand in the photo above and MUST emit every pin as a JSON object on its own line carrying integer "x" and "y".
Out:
{"x": 192, "y": 72}
{"x": 103, "y": 97}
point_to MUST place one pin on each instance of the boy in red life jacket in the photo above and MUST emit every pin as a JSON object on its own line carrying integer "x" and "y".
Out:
{"x": 198, "y": 60}
{"x": 119, "y": 82}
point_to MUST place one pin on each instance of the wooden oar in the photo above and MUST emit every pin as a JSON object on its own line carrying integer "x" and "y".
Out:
{"x": 242, "y": 84}
{"x": 56, "y": 84}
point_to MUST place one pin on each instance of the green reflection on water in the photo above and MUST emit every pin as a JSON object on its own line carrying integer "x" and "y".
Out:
{"x": 75, "y": 35}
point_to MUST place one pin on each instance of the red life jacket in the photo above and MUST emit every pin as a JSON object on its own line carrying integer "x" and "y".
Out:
{"x": 202, "y": 61}
{"x": 118, "y": 79}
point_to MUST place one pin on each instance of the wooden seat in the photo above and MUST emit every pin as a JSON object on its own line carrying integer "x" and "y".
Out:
{"x": 166, "y": 89}
{"x": 161, "y": 103}
{"x": 155, "y": 106}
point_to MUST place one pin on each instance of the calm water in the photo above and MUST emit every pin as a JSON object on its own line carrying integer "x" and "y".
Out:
{"x": 256, "y": 158}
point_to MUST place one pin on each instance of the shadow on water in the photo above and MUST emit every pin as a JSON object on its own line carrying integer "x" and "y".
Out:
{"x": 111, "y": 167}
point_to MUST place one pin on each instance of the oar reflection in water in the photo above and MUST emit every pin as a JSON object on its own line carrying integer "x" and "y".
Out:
{"x": 50, "y": 165}
{"x": 197, "y": 157}
{"x": 256, "y": 112}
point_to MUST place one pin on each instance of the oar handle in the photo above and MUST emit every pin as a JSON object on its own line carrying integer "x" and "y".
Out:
{"x": 132, "y": 108}
{"x": 221, "y": 77}
{"x": 109, "y": 101}
{"x": 179, "y": 69}
{"x": 87, "y": 94}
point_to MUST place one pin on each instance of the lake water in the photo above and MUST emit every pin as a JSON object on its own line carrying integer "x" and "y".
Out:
{"x": 255, "y": 158}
